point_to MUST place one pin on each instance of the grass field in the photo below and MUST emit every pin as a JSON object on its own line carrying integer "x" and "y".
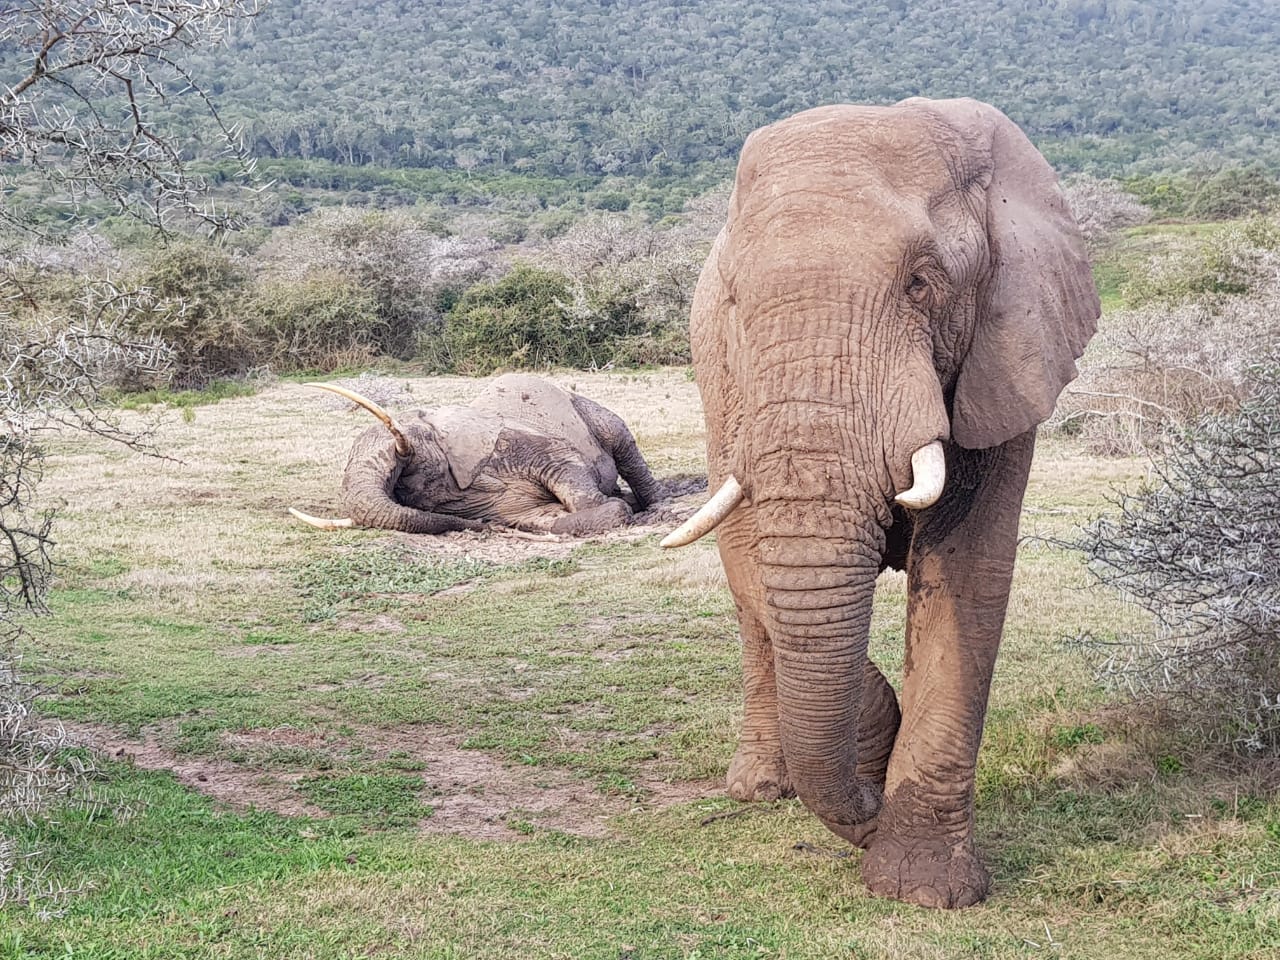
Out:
{"x": 370, "y": 745}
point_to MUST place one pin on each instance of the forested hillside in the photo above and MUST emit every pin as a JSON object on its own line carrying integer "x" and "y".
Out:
{"x": 563, "y": 87}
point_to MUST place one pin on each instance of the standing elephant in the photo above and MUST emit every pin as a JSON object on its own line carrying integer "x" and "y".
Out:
{"x": 895, "y": 302}
{"x": 523, "y": 454}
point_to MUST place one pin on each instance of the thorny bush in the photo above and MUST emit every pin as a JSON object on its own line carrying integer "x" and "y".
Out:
{"x": 1198, "y": 547}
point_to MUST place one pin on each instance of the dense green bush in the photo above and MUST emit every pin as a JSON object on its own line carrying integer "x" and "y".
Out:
{"x": 321, "y": 322}
{"x": 1224, "y": 194}
{"x": 536, "y": 318}
{"x": 197, "y": 293}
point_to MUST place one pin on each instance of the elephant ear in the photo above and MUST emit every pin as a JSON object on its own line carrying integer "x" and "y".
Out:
{"x": 715, "y": 337}
{"x": 1038, "y": 306}
{"x": 467, "y": 437}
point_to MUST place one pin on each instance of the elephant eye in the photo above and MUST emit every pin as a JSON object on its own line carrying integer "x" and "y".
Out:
{"x": 917, "y": 288}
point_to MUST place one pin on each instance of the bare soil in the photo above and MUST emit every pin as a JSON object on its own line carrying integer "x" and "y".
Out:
{"x": 236, "y": 785}
{"x": 471, "y": 793}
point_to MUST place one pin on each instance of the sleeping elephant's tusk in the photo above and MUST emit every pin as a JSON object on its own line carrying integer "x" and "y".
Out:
{"x": 323, "y": 523}
{"x": 403, "y": 447}
{"x": 708, "y": 516}
{"x": 928, "y": 477}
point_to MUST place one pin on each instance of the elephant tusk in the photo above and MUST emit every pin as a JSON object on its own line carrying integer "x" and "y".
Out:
{"x": 708, "y": 516}
{"x": 928, "y": 477}
{"x": 403, "y": 447}
{"x": 323, "y": 523}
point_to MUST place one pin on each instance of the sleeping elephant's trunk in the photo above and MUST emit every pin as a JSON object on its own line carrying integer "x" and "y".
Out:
{"x": 369, "y": 484}
{"x": 818, "y": 593}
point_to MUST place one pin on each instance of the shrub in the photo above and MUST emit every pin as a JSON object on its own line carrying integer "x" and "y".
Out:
{"x": 322, "y": 322}
{"x": 1233, "y": 259}
{"x": 1102, "y": 207}
{"x": 196, "y": 304}
{"x": 1197, "y": 547}
{"x": 405, "y": 268}
{"x": 1186, "y": 348}
{"x": 527, "y": 319}
{"x": 1225, "y": 194}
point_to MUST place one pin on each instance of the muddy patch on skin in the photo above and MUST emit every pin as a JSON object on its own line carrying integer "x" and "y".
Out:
{"x": 472, "y": 794}
{"x": 235, "y": 785}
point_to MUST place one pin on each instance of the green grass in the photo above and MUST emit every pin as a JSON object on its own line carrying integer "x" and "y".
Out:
{"x": 603, "y": 684}
{"x": 186, "y": 399}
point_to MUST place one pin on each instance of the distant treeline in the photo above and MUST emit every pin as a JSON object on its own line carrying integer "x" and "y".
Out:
{"x": 660, "y": 87}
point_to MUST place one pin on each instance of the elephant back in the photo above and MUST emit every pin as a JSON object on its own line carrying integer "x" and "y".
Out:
{"x": 541, "y": 406}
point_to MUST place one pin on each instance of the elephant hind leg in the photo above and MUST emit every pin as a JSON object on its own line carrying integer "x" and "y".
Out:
{"x": 581, "y": 523}
{"x": 615, "y": 438}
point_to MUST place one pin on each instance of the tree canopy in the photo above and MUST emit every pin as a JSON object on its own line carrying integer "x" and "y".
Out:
{"x": 640, "y": 87}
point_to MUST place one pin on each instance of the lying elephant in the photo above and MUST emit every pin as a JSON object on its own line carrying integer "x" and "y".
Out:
{"x": 523, "y": 454}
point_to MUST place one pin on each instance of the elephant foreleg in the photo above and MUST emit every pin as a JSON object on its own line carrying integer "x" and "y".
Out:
{"x": 959, "y": 573}
{"x": 758, "y": 771}
{"x": 615, "y": 438}
{"x": 583, "y": 510}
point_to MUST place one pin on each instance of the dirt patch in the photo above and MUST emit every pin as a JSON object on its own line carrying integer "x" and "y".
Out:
{"x": 477, "y": 796}
{"x": 236, "y": 785}
{"x": 471, "y": 793}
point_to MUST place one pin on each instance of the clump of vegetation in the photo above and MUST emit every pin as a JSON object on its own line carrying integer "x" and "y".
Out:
{"x": 410, "y": 273}
{"x": 195, "y": 297}
{"x": 1196, "y": 547}
{"x": 377, "y": 577}
{"x": 1102, "y": 207}
{"x": 1197, "y": 317}
{"x": 534, "y": 317}
{"x": 1227, "y": 193}
{"x": 384, "y": 800}
{"x": 320, "y": 322}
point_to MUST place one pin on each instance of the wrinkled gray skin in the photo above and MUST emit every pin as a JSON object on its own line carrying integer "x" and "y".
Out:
{"x": 887, "y": 277}
{"x": 524, "y": 454}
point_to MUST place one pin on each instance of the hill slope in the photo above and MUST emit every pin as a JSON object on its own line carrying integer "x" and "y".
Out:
{"x": 643, "y": 86}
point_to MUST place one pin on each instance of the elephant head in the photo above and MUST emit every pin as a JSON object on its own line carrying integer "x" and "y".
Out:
{"x": 409, "y": 455}
{"x": 892, "y": 284}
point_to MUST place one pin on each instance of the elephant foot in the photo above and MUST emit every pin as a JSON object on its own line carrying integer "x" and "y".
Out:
{"x": 944, "y": 876}
{"x": 758, "y": 776}
{"x": 581, "y": 523}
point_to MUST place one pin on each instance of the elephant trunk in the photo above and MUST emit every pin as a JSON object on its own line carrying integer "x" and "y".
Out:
{"x": 818, "y": 604}
{"x": 830, "y": 443}
{"x": 368, "y": 488}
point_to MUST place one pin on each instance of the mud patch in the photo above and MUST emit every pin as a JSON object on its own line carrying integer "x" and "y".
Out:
{"x": 683, "y": 495}
{"x": 235, "y": 785}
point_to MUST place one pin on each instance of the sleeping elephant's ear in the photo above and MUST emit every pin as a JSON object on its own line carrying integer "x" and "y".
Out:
{"x": 1039, "y": 306}
{"x": 468, "y": 437}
